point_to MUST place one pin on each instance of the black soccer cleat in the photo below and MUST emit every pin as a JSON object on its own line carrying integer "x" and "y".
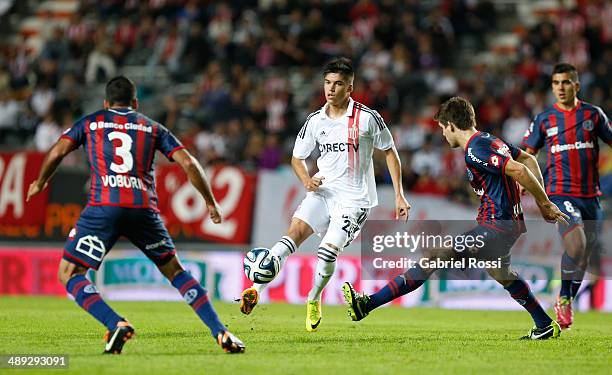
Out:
{"x": 116, "y": 338}
{"x": 551, "y": 331}
{"x": 356, "y": 302}
{"x": 230, "y": 343}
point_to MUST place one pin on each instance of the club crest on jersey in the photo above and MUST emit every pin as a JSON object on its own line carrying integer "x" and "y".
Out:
{"x": 551, "y": 132}
{"x": 588, "y": 125}
{"x": 352, "y": 132}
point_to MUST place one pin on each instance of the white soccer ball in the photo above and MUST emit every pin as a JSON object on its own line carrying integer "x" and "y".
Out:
{"x": 260, "y": 266}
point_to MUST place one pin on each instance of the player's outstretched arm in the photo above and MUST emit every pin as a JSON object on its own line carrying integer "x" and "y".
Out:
{"x": 523, "y": 175}
{"x": 198, "y": 179}
{"x": 52, "y": 160}
{"x": 402, "y": 207}
{"x": 301, "y": 171}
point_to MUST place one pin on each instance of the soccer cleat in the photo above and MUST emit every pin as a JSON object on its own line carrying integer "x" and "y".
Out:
{"x": 553, "y": 330}
{"x": 116, "y": 338}
{"x": 313, "y": 315}
{"x": 249, "y": 300}
{"x": 565, "y": 314}
{"x": 230, "y": 343}
{"x": 356, "y": 302}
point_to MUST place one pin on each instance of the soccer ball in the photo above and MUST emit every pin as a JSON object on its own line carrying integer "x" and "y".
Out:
{"x": 260, "y": 266}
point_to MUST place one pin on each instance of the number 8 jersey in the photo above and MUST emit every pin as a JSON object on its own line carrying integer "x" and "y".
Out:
{"x": 120, "y": 144}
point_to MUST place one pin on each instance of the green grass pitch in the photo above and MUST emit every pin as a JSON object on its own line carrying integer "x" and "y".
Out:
{"x": 171, "y": 340}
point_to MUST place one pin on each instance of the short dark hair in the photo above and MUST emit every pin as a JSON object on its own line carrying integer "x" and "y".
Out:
{"x": 340, "y": 65}
{"x": 457, "y": 110}
{"x": 566, "y": 68}
{"x": 120, "y": 91}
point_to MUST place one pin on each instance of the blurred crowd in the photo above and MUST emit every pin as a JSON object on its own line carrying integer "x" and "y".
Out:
{"x": 240, "y": 77}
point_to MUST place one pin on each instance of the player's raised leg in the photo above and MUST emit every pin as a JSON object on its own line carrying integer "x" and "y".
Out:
{"x": 297, "y": 233}
{"x": 545, "y": 327}
{"x": 195, "y": 295}
{"x": 85, "y": 294}
{"x": 361, "y": 304}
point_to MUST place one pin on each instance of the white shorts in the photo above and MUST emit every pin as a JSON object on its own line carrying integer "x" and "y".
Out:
{"x": 338, "y": 225}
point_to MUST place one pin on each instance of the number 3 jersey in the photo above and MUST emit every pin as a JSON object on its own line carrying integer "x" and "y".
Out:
{"x": 500, "y": 203}
{"x": 345, "y": 145}
{"x": 120, "y": 144}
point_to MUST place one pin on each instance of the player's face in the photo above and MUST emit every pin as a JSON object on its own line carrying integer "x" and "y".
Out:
{"x": 337, "y": 88}
{"x": 449, "y": 134}
{"x": 565, "y": 88}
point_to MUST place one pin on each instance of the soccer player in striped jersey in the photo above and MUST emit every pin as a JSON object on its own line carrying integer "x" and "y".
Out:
{"x": 120, "y": 144}
{"x": 339, "y": 197}
{"x": 492, "y": 168}
{"x": 569, "y": 131}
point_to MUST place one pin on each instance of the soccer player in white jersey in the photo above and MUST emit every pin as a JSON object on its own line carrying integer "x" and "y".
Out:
{"x": 339, "y": 197}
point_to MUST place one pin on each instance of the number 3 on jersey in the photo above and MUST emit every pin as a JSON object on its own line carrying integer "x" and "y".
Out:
{"x": 123, "y": 151}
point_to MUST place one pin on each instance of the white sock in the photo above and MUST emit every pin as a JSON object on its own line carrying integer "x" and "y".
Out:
{"x": 325, "y": 270}
{"x": 282, "y": 249}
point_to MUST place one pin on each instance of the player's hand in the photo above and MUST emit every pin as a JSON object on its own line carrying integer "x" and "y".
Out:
{"x": 552, "y": 214}
{"x": 34, "y": 189}
{"x": 314, "y": 183}
{"x": 402, "y": 208}
{"x": 215, "y": 213}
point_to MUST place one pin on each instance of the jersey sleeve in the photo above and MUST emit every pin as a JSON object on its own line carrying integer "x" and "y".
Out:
{"x": 514, "y": 151}
{"x": 383, "y": 140}
{"x": 167, "y": 143}
{"x": 604, "y": 128}
{"x": 534, "y": 136}
{"x": 485, "y": 156}
{"x": 305, "y": 141}
{"x": 76, "y": 133}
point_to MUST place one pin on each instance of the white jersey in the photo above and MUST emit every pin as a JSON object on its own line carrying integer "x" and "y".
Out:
{"x": 346, "y": 145}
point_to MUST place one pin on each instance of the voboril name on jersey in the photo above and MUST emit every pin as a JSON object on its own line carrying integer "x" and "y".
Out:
{"x": 572, "y": 146}
{"x": 95, "y": 125}
{"x": 337, "y": 147}
{"x": 124, "y": 181}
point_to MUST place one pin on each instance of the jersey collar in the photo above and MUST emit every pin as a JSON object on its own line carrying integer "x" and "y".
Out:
{"x": 349, "y": 109}
{"x": 121, "y": 110}
{"x": 471, "y": 138}
{"x": 571, "y": 110}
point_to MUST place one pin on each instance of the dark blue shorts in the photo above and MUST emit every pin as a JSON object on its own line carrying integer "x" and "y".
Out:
{"x": 491, "y": 244}
{"x": 584, "y": 212}
{"x": 99, "y": 227}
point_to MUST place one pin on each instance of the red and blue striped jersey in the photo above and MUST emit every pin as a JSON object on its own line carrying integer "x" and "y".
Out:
{"x": 572, "y": 150}
{"x": 500, "y": 202}
{"x": 120, "y": 144}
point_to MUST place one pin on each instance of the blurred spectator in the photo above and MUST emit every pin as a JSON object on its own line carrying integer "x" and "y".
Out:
{"x": 49, "y": 130}
{"x": 100, "y": 64}
{"x": 426, "y": 161}
{"x": 271, "y": 155}
{"x": 514, "y": 127}
{"x": 408, "y": 134}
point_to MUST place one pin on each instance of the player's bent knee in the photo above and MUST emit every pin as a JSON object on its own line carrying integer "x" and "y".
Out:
{"x": 505, "y": 275}
{"x": 171, "y": 268}
{"x": 67, "y": 270}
